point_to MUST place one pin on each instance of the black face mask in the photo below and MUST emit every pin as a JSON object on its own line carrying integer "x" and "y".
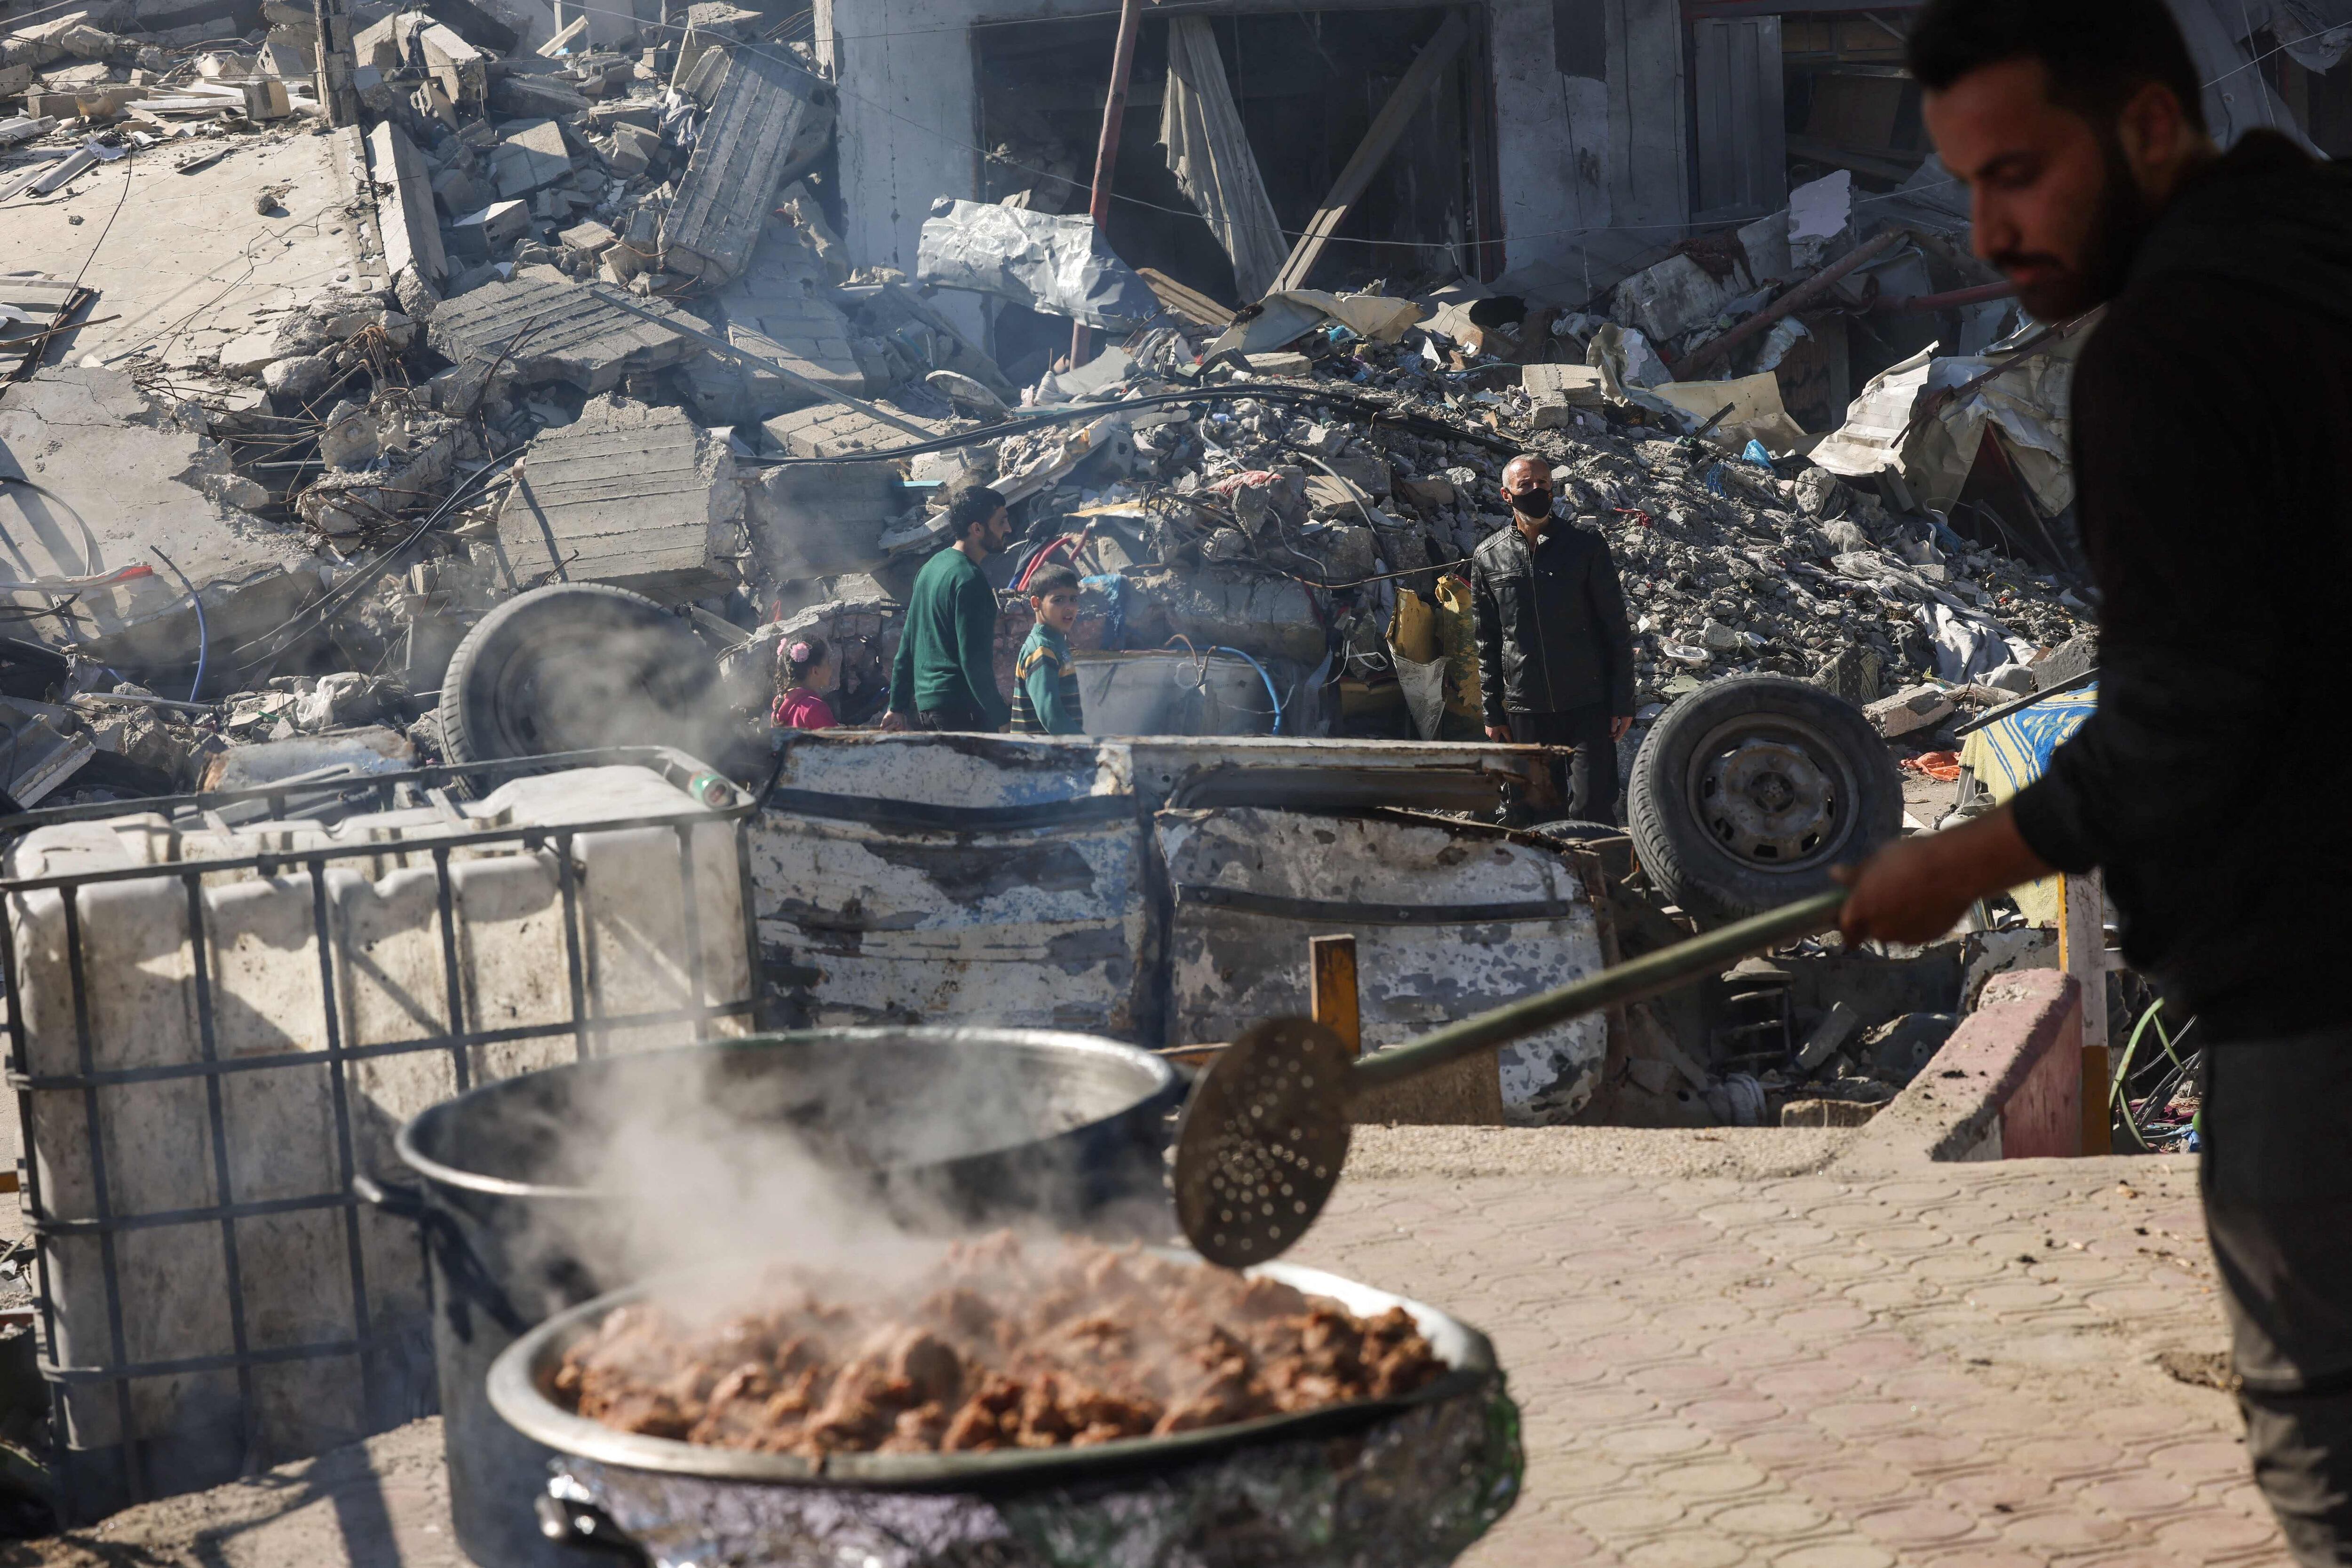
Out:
{"x": 1532, "y": 503}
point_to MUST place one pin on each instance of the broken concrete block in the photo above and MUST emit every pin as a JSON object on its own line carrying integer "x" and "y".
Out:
{"x": 591, "y": 236}
{"x": 382, "y": 44}
{"x": 14, "y": 80}
{"x": 1429, "y": 493}
{"x": 1550, "y": 410}
{"x": 633, "y": 149}
{"x": 622, "y": 266}
{"x": 478, "y": 236}
{"x": 724, "y": 197}
{"x": 709, "y": 23}
{"x": 251, "y": 354}
{"x": 459, "y": 192}
{"x": 411, "y": 228}
{"x": 541, "y": 96}
{"x": 300, "y": 379}
{"x": 639, "y": 497}
{"x": 348, "y": 439}
{"x": 459, "y": 69}
{"x": 528, "y": 158}
{"x": 552, "y": 329}
{"x": 1920, "y": 707}
{"x": 830, "y": 430}
{"x": 1577, "y": 385}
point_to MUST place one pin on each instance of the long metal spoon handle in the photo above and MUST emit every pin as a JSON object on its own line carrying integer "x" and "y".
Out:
{"x": 1646, "y": 975}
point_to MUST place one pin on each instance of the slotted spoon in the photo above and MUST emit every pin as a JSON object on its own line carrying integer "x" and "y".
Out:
{"x": 1260, "y": 1144}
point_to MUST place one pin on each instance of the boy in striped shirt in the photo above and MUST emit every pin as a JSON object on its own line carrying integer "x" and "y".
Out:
{"x": 1045, "y": 680}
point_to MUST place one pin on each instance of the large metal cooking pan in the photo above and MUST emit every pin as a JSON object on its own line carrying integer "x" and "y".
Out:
{"x": 520, "y": 1377}
{"x": 1061, "y": 1126}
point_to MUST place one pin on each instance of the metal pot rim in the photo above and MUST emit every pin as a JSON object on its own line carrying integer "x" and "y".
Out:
{"x": 1163, "y": 1076}
{"x": 516, "y": 1393}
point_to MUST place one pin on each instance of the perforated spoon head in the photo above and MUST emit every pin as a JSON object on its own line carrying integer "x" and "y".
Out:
{"x": 1261, "y": 1141}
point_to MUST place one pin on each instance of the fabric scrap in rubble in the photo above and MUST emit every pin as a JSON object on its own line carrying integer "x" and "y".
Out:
{"x": 1208, "y": 153}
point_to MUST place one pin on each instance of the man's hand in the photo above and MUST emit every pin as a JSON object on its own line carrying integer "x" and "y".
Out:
{"x": 1499, "y": 732}
{"x": 894, "y": 723}
{"x": 1620, "y": 725}
{"x": 1916, "y": 890}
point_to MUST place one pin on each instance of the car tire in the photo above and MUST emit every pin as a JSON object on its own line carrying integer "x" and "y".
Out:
{"x": 1748, "y": 790}
{"x": 578, "y": 666}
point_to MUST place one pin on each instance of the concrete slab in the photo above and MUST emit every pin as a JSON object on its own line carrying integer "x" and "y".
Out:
{"x": 634, "y": 496}
{"x": 725, "y": 195}
{"x": 829, "y": 430}
{"x": 530, "y": 159}
{"x": 548, "y": 328}
{"x": 411, "y": 228}
{"x": 123, "y": 483}
{"x": 779, "y": 309}
{"x": 188, "y": 263}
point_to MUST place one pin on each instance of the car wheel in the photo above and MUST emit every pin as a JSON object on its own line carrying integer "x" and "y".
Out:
{"x": 576, "y": 667}
{"x": 1747, "y": 791}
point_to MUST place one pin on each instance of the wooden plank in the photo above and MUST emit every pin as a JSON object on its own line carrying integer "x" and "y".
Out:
{"x": 1388, "y": 128}
{"x": 1331, "y": 989}
{"x": 1190, "y": 303}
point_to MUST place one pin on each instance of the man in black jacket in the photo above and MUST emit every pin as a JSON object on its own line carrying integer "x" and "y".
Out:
{"x": 2212, "y": 412}
{"x": 1555, "y": 654}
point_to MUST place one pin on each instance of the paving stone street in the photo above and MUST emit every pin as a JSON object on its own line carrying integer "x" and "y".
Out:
{"x": 1951, "y": 1366}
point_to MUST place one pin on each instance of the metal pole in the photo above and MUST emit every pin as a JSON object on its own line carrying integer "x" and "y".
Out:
{"x": 1636, "y": 980}
{"x": 1122, "y": 66}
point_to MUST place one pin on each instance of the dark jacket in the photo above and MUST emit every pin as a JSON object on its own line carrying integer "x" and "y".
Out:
{"x": 2212, "y": 412}
{"x": 1552, "y": 634}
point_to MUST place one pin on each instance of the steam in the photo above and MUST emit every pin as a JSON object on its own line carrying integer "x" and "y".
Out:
{"x": 854, "y": 1158}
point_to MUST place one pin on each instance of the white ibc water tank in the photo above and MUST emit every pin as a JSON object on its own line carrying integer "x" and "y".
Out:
{"x": 205, "y": 1081}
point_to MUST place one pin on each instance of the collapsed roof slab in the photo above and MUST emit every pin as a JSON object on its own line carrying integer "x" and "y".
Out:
{"x": 731, "y": 183}
{"x": 639, "y": 497}
{"x": 123, "y": 483}
{"x": 188, "y": 264}
{"x": 549, "y": 328}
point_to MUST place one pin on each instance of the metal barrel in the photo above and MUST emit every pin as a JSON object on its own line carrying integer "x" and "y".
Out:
{"x": 1646, "y": 975}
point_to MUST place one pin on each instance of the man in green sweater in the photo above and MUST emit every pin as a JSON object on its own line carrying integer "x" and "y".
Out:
{"x": 945, "y": 676}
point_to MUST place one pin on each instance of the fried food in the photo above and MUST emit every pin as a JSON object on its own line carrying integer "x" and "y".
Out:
{"x": 1005, "y": 1346}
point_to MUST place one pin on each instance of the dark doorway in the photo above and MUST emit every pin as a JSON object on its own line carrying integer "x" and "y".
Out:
{"x": 1308, "y": 84}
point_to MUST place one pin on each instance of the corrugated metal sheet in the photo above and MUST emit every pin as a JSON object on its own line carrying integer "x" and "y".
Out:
{"x": 1447, "y": 922}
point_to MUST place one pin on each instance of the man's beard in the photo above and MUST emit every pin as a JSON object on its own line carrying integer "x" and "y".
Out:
{"x": 2118, "y": 226}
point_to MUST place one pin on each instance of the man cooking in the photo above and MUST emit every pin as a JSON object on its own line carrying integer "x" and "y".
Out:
{"x": 2212, "y": 417}
{"x": 1554, "y": 654}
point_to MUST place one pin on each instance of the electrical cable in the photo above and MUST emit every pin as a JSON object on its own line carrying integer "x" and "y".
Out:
{"x": 203, "y": 635}
{"x": 333, "y": 602}
{"x": 1271, "y": 694}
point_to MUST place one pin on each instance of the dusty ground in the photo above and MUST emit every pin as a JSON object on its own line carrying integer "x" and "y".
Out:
{"x": 186, "y": 263}
{"x": 1730, "y": 1347}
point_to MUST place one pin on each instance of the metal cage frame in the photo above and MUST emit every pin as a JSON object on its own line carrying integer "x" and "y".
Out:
{"x": 721, "y": 800}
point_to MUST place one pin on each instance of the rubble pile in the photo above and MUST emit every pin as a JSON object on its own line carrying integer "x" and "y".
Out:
{"x": 598, "y": 324}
